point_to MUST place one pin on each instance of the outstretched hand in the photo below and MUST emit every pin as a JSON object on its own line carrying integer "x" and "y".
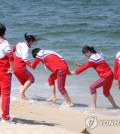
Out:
{"x": 77, "y": 64}
{"x": 10, "y": 70}
{"x": 71, "y": 72}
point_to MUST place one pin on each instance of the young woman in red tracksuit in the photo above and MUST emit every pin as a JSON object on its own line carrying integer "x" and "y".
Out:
{"x": 97, "y": 62}
{"x": 117, "y": 68}
{"x": 57, "y": 65}
{"x": 6, "y": 66}
{"x": 21, "y": 51}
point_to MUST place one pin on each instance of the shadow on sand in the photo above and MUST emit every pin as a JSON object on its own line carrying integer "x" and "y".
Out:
{"x": 33, "y": 122}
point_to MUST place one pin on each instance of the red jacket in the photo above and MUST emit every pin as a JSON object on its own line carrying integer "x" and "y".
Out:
{"x": 50, "y": 59}
{"x": 6, "y": 56}
{"x": 21, "y": 51}
{"x": 97, "y": 62}
{"x": 117, "y": 66}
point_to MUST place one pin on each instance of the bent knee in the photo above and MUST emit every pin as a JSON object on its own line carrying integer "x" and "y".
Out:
{"x": 50, "y": 81}
{"x": 92, "y": 89}
{"x": 32, "y": 79}
{"x": 106, "y": 93}
{"x": 62, "y": 91}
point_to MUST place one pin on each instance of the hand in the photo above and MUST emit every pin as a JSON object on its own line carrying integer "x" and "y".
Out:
{"x": 71, "y": 72}
{"x": 77, "y": 64}
{"x": 10, "y": 70}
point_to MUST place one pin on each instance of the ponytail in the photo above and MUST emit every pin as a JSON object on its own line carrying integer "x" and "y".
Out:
{"x": 87, "y": 49}
{"x": 29, "y": 38}
{"x": 93, "y": 50}
{"x": 26, "y": 37}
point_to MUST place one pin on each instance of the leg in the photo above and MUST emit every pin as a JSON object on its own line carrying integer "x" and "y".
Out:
{"x": 94, "y": 98}
{"x": 67, "y": 99}
{"x": 110, "y": 98}
{"x": 119, "y": 84}
{"x": 5, "y": 92}
{"x": 61, "y": 79}
{"x": 26, "y": 79}
{"x": 0, "y": 95}
{"x": 0, "y": 92}
{"x": 106, "y": 91}
{"x": 53, "y": 97}
{"x": 23, "y": 88}
{"x": 93, "y": 88}
{"x": 51, "y": 80}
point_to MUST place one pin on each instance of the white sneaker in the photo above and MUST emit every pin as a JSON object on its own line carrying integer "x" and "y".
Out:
{"x": 7, "y": 121}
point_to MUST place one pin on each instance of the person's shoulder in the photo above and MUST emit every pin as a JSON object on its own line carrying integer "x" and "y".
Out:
{"x": 6, "y": 43}
{"x": 95, "y": 57}
{"x": 118, "y": 55}
{"x": 41, "y": 52}
{"x": 22, "y": 45}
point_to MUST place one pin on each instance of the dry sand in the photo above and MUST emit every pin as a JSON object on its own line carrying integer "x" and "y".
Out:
{"x": 34, "y": 119}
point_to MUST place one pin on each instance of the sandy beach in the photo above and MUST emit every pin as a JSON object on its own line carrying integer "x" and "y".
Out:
{"x": 34, "y": 119}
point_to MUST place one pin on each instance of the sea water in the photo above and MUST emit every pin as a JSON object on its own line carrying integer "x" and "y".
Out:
{"x": 65, "y": 26}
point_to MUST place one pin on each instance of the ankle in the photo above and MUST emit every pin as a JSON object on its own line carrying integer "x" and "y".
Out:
{"x": 69, "y": 104}
{"x": 21, "y": 92}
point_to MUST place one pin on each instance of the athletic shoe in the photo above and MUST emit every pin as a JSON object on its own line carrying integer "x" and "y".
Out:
{"x": 7, "y": 121}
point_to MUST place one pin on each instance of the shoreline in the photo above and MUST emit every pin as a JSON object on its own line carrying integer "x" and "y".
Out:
{"x": 36, "y": 119}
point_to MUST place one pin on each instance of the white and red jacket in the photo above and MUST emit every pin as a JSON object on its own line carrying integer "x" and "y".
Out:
{"x": 50, "y": 59}
{"x": 117, "y": 66}
{"x": 6, "y": 56}
{"x": 97, "y": 62}
{"x": 21, "y": 51}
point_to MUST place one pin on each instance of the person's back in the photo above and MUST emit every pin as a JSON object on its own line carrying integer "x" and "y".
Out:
{"x": 4, "y": 60}
{"x": 100, "y": 65}
{"x": 21, "y": 55}
{"x": 117, "y": 68}
{"x": 51, "y": 59}
{"x": 97, "y": 62}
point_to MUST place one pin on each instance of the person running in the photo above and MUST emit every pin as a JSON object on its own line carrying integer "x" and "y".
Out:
{"x": 97, "y": 62}
{"x": 6, "y": 67}
{"x": 24, "y": 76}
{"x": 58, "y": 66}
{"x": 117, "y": 68}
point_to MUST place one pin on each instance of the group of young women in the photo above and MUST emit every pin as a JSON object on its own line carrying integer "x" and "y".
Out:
{"x": 16, "y": 58}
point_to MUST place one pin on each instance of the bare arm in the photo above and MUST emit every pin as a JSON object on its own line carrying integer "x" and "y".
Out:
{"x": 10, "y": 70}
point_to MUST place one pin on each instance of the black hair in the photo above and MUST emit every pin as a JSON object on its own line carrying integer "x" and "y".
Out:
{"x": 35, "y": 51}
{"x": 87, "y": 49}
{"x": 29, "y": 38}
{"x": 2, "y": 29}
